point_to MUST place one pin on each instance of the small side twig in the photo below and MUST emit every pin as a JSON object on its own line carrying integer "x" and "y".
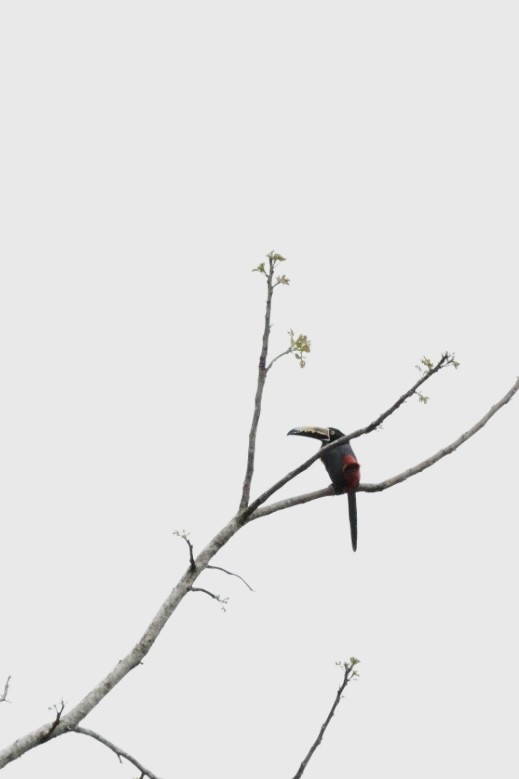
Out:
{"x": 230, "y": 573}
{"x": 222, "y": 601}
{"x": 59, "y": 711}
{"x": 278, "y": 357}
{"x": 299, "y": 346}
{"x": 183, "y": 534}
{"x": 3, "y": 696}
{"x": 121, "y": 753}
{"x": 349, "y": 674}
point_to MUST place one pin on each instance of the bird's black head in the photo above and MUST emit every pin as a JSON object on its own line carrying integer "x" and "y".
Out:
{"x": 324, "y": 434}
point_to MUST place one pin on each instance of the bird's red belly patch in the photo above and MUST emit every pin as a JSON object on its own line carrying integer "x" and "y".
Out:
{"x": 351, "y": 473}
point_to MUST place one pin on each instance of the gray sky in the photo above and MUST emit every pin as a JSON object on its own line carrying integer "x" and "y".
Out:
{"x": 152, "y": 153}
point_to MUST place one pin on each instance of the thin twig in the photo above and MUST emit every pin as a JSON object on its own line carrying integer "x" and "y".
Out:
{"x": 278, "y": 357}
{"x": 349, "y": 674}
{"x": 185, "y": 536}
{"x": 117, "y": 750}
{"x": 59, "y": 711}
{"x": 222, "y": 601}
{"x": 445, "y": 361}
{"x": 3, "y": 696}
{"x": 262, "y": 376}
{"x": 219, "y": 568}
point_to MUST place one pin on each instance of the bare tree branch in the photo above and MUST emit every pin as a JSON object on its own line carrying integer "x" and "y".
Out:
{"x": 183, "y": 534}
{"x": 446, "y": 450}
{"x": 121, "y": 753}
{"x": 230, "y": 573}
{"x": 391, "y": 482}
{"x": 296, "y": 500}
{"x": 278, "y": 357}
{"x": 245, "y": 515}
{"x": 134, "y": 657}
{"x": 349, "y": 674}
{"x": 445, "y": 361}
{"x": 3, "y": 696}
{"x": 262, "y": 376}
{"x": 59, "y": 711}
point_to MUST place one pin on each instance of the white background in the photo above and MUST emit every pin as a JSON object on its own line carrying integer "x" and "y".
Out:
{"x": 152, "y": 153}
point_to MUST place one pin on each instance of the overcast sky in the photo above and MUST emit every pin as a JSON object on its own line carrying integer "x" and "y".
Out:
{"x": 151, "y": 155}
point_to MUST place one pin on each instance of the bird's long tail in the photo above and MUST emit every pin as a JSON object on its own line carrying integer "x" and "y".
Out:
{"x": 352, "y": 506}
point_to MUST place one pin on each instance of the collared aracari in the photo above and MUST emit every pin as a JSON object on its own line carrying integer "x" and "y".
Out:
{"x": 342, "y": 467}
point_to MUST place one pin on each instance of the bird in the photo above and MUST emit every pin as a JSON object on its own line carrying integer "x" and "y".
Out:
{"x": 342, "y": 466}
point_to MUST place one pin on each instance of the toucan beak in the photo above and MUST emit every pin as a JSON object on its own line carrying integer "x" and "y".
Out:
{"x": 321, "y": 433}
